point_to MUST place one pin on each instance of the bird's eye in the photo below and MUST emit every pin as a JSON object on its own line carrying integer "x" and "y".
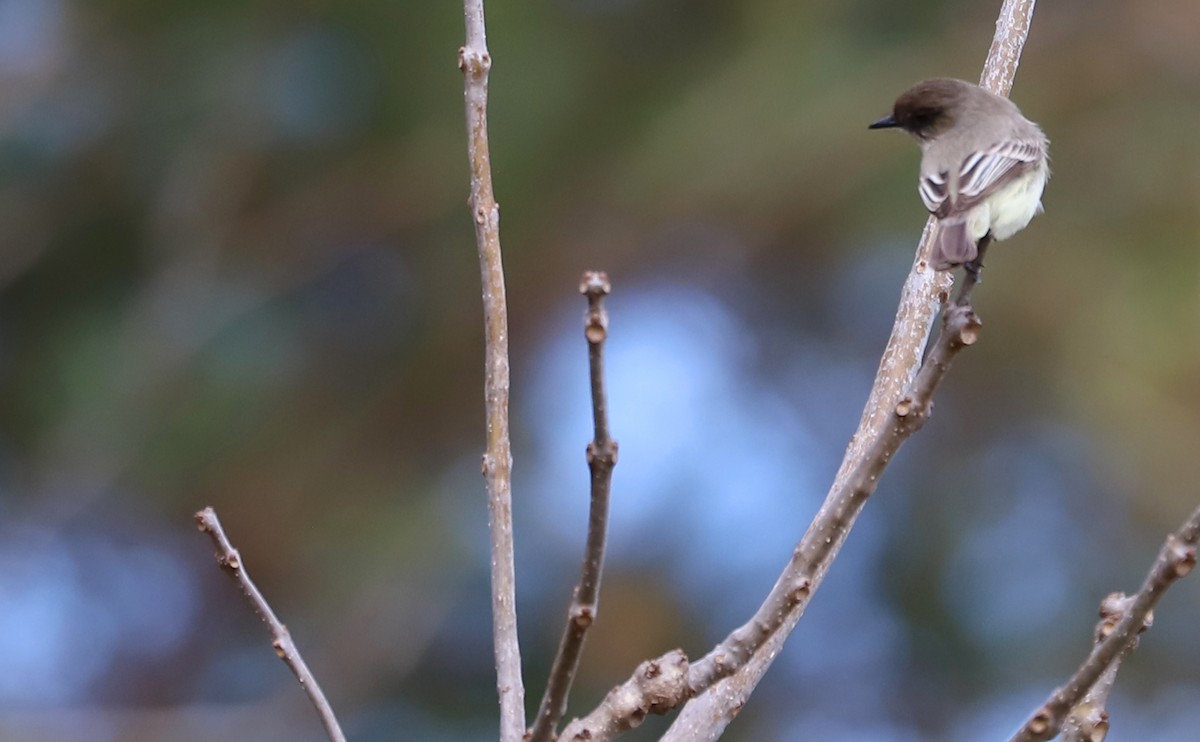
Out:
{"x": 924, "y": 118}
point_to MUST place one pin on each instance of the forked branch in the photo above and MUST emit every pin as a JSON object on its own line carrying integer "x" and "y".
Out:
{"x": 720, "y": 683}
{"x": 705, "y": 717}
{"x": 1088, "y": 719}
{"x": 662, "y": 684}
{"x": 1175, "y": 560}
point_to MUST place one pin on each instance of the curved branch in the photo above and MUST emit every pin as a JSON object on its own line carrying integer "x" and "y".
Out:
{"x": 1175, "y": 559}
{"x": 475, "y": 63}
{"x": 231, "y": 562}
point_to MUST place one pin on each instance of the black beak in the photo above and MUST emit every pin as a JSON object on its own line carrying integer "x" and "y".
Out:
{"x": 887, "y": 122}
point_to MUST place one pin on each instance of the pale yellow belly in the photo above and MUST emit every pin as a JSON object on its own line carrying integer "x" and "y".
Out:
{"x": 1009, "y": 209}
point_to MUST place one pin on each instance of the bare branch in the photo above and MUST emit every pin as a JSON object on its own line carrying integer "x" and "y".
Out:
{"x": 601, "y": 457}
{"x": 231, "y": 561}
{"x": 971, "y": 272}
{"x": 706, "y": 716}
{"x": 960, "y": 328}
{"x": 1176, "y": 558}
{"x": 656, "y": 687}
{"x": 475, "y": 63}
{"x": 1088, "y": 720}
{"x": 1012, "y": 29}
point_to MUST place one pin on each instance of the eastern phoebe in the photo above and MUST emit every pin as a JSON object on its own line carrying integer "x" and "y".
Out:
{"x": 983, "y": 166}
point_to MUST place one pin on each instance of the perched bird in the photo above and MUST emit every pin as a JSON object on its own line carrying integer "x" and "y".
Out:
{"x": 983, "y": 168}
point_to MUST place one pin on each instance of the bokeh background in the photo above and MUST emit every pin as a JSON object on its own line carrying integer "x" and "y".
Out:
{"x": 237, "y": 268}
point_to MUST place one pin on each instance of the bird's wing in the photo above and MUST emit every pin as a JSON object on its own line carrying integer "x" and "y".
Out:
{"x": 980, "y": 175}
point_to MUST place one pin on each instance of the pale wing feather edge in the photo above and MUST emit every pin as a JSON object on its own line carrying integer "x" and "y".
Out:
{"x": 980, "y": 174}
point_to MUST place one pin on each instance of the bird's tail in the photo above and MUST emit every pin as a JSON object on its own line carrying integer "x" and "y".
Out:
{"x": 953, "y": 246}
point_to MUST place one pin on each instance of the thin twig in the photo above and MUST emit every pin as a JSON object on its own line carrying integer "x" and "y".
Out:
{"x": 960, "y": 328}
{"x": 601, "y": 458}
{"x": 971, "y": 272}
{"x": 1176, "y": 558}
{"x": 231, "y": 561}
{"x": 475, "y": 63}
{"x": 1088, "y": 719}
